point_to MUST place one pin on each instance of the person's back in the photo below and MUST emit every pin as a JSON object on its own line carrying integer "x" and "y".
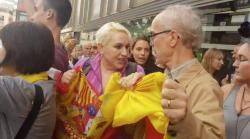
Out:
{"x": 16, "y": 99}
{"x": 26, "y": 50}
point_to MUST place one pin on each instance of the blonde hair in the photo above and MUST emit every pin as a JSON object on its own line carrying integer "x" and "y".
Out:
{"x": 65, "y": 38}
{"x": 208, "y": 57}
{"x": 103, "y": 35}
{"x": 185, "y": 21}
{"x": 70, "y": 44}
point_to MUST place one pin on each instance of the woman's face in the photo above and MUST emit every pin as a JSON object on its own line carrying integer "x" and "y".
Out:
{"x": 116, "y": 51}
{"x": 242, "y": 64}
{"x": 141, "y": 52}
{"x": 77, "y": 52}
{"x": 217, "y": 62}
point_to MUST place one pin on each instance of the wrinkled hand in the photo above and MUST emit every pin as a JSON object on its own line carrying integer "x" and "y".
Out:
{"x": 174, "y": 101}
{"x": 130, "y": 80}
{"x": 68, "y": 76}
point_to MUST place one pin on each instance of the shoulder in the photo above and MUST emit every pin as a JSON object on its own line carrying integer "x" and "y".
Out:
{"x": 226, "y": 90}
{"x": 140, "y": 69}
{"x": 203, "y": 86}
{"x": 205, "y": 80}
{"x": 132, "y": 67}
{"x": 10, "y": 83}
{"x": 14, "y": 91}
{"x": 19, "y": 87}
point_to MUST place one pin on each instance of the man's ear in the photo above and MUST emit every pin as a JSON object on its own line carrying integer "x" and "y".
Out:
{"x": 174, "y": 39}
{"x": 50, "y": 13}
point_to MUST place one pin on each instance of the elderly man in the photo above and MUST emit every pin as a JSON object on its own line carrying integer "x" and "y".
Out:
{"x": 191, "y": 99}
{"x": 86, "y": 49}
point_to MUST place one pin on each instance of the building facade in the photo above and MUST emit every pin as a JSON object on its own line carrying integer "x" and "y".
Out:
{"x": 20, "y": 11}
{"x": 5, "y": 17}
{"x": 221, "y": 18}
{"x": 7, "y": 12}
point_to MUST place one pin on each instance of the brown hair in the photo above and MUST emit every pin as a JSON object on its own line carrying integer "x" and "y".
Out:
{"x": 29, "y": 47}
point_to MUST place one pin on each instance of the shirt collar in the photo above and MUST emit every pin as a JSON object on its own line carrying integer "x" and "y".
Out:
{"x": 175, "y": 73}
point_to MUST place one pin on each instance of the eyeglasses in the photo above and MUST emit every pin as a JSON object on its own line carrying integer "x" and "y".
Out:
{"x": 152, "y": 35}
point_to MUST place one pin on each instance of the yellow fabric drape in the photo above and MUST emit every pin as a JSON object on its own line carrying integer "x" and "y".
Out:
{"x": 125, "y": 106}
{"x": 31, "y": 78}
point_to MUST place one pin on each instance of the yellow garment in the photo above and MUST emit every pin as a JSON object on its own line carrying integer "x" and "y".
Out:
{"x": 127, "y": 106}
{"x": 31, "y": 78}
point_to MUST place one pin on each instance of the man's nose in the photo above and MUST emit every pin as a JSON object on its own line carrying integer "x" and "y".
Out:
{"x": 236, "y": 63}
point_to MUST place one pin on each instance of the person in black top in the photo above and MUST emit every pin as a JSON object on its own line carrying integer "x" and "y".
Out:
{"x": 142, "y": 54}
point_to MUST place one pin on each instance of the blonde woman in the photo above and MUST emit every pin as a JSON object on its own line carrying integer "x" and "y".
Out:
{"x": 114, "y": 41}
{"x": 213, "y": 60}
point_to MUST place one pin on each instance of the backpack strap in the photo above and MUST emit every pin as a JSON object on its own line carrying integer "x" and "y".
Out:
{"x": 131, "y": 68}
{"x": 29, "y": 121}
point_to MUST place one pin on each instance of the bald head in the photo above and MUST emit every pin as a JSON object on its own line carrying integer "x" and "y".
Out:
{"x": 182, "y": 19}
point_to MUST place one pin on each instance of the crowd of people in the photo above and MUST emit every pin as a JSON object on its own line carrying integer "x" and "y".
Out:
{"x": 58, "y": 89}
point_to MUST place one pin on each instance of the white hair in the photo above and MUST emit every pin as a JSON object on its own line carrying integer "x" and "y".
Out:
{"x": 185, "y": 21}
{"x": 104, "y": 34}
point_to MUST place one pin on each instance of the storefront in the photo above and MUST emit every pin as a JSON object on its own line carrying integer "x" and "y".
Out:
{"x": 221, "y": 18}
